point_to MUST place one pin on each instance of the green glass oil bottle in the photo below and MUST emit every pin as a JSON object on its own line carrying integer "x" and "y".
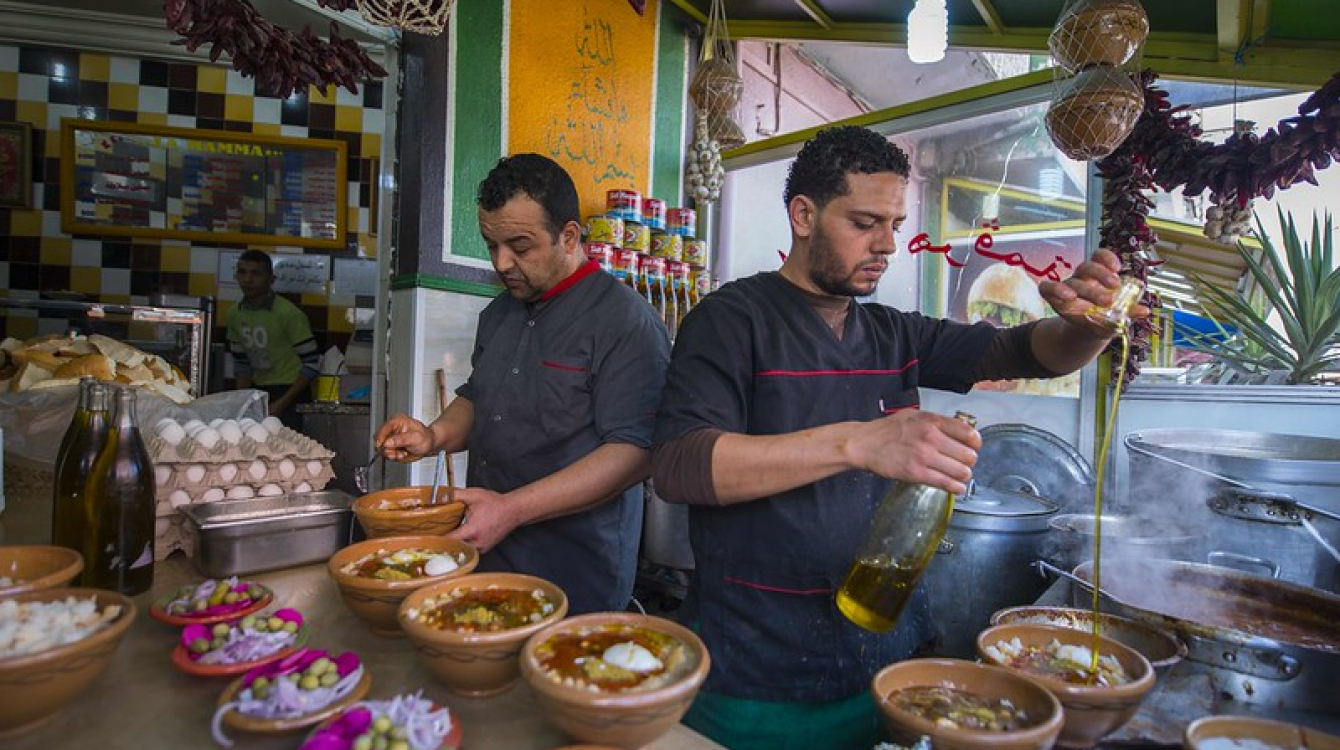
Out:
{"x": 74, "y": 462}
{"x": 119, "y": 544}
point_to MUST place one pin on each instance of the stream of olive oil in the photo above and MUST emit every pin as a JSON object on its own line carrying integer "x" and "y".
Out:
{"x": 1109, "y": 428}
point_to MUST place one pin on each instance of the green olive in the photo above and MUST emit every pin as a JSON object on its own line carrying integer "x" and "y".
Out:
{"x": 199, "y": 605}
{"x": 220, "y": 630}
{"x": 322, "y": 665}
{"x": 398, "y": 745}
{"x": 381, "y": 725}
{"x": 261, "y": 681}
{"x": 381, "y": 743}
{"x": 364, "y": 742}
{"x": 231, "y": 597}
{"x": 200, "y": 645}
{"x": 275, "y": 623}
{"x": 330, "y": 679}
{"x": 218, "y": 643}
{"x": 260, "y": 692}
{"x": 309, "y": 683}
{"x": 290, "y": 627}
{"x": 249, "y": 622}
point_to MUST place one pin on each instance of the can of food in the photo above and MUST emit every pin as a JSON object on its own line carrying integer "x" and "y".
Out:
{"x": 653, "y": 214}
{"x": 625, "y": 265}
{"x": 637, "y": 236}
{"x": 702, "y": 282}
{"x": 625, "y": 204}
{"x": 695, "y": 252}
{"x": 602, "y": 253}
{"x": 682, "y": 221}
{"x": 653, "y": 269}
{"x": 604, "y": 229}
{"x": 668, "y": 246}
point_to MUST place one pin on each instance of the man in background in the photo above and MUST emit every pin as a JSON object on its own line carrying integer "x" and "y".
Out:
{"x": 271, "y": 341}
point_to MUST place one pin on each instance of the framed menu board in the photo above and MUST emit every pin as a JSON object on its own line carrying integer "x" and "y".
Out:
{"x": 180, "y": 183}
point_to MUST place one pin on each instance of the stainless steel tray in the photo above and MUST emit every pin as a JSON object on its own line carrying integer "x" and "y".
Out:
{"x": 235, "y": 537}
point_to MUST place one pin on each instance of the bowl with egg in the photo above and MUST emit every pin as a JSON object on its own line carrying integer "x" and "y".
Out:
{"x": 407, "y": 510}
{"x": 1163, "y": 649}
{"x": 32, "y": 567}
{"x": 469, "y": 631}
{"x": 1250, "y": 733}
{"x": 54, "y": 643}
{"x": 1097, "y": 701}
{"x": 614, "y": 678}
{"x": 962, "y": 705}
{"x": 376, "y": 575}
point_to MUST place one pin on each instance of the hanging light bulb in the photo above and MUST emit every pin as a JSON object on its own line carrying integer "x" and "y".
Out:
{"x": 928, "y": 31}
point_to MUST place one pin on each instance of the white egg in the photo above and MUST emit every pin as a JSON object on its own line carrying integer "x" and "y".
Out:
{"x": 401, "y": 556}
{"x": 439, "y": 564}
{"x": 314, "y": 468}
{"x": 173, "y": 434}
{"x": 287, "y": 468}
{"x": 303, "y": 487}
{"x": 258, "y": 433}
{"x": 270, "y": 490}
{"x": 273, "y": 425}
{"x": 216, "y": 423}
{"x": 240, "y": 492}
{"x": 228, "y": 472}
{"x": 193, "y": 425}
{"x": 161, "y": 475}
{"x": 207, "y": 438}
{"x": 163, "y": 423}
{"x": 230, "y": 432}
{"x": 179, "y": 498}
{"x": 195, "y": 473}
{"x": 257, "y": 470}
{"x": 631, "y": 656}
{"x": 212, "y": 495}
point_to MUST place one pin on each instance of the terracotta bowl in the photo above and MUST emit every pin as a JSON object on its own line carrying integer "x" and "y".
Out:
{"x": 34, "y": 687}
{"x": 1161, "y": 648}
{"x": 452, "y": 741}
{"x": 1242, "y": 730}
{"x": 375, "y": 601}
{"x": 1091, "y": 711}
{"x": 405, "y": 511}
{"x": 244, "y": 723}
{"x": 476, "y": 664}
{"x": 627, "y": 719}
{"x": 38, "y": 566}
{"x": 995, "y": 683}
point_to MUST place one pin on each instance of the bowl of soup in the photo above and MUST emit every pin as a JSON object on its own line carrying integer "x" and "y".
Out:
{"x": 32, "y": 567}
{"x": 469, "y": 630}
{"x": 962, "y": 705}
{"x": 1250, "y": 733}
{"x": 405, "y": 511}
{"x": 1097, "y": 701}
{"x": 375, "y": 576}
{"x": 614, "y": 678}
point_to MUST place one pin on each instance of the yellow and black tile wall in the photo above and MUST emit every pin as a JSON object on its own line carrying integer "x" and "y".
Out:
{"x": 42, "y": 85}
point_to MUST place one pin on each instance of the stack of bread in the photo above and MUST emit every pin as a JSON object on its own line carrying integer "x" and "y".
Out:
{"x": 55, "y": 360}
{"x": 226, "y": 459}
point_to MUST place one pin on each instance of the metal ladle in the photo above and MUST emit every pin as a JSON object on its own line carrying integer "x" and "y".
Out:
{"x": 361, "y": 473}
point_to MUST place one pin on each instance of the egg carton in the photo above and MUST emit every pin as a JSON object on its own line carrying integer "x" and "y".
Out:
{"x": 285, "y": 443}
{"x": 288, "y": 474}
{"x": 170, "y": 499}
{"x": 171, "y": 534}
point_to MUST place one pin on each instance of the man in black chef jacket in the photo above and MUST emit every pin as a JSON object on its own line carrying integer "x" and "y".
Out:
{"x": 557, "y": 413}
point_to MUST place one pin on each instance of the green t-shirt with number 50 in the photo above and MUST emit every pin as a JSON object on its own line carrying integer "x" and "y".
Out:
{"x": 271, "y": 342}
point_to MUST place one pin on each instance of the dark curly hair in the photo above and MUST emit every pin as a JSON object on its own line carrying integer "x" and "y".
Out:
{"x": 821, "y": 168}
{"x": 537, "y": 177}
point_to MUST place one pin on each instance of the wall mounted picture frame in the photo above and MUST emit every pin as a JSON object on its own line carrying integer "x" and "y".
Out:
{"x": 131, "y": 180}
{"x": 16, "y": 165}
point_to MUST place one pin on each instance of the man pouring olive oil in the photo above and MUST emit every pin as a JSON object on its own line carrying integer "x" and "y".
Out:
{"x": 789, "y": 408}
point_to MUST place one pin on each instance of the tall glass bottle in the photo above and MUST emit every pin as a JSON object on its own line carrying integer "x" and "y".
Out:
{"x": 119, "y": 544}
{"x": 908, "y": 526}
{"x": 74, "y": 463}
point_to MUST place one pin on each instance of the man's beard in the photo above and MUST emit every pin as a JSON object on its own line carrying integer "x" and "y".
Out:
{"x": 826, "y": 271}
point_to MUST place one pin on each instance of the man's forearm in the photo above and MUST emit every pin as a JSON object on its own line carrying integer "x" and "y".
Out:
{"x": 293, "y": 392}
{"x": 591, "y": 481}
{"x": 1064, "y": 348}
{"x": 452, "y": 427}
{"x": 748, "y": 467}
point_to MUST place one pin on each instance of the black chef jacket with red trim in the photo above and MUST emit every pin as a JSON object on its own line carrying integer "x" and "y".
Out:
{"x": 755, "y": 358}
{"x": 551, "y": 382}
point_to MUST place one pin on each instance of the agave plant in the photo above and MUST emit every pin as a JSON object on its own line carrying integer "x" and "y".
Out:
{"x": 1301, "y": 289}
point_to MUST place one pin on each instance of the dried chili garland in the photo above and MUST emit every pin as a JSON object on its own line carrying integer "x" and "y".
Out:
{"x": 1165, "y": 151}
{"x": 279, "y": 59}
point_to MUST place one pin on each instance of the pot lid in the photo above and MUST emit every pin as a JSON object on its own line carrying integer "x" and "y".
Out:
{"x": 986, "y": 501}
{"x": 1022, "y": 459}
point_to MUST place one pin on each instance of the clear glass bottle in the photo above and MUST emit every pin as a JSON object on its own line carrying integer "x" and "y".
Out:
{"x": 119, "y": 542}
{"x": 904, "y": 534}
{"x": 74, "y": 462}
{"x": 1116, "y": 314}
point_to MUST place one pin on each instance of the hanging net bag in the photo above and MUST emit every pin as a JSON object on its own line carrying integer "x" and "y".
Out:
{"x": 716, "y": 85}
{"x": 419, "y": 16}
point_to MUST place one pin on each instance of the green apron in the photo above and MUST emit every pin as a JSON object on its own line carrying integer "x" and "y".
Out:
{"x": 848, "y": 724}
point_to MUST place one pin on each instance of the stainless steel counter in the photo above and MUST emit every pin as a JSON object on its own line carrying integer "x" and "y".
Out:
{"x": 144, "y": 702}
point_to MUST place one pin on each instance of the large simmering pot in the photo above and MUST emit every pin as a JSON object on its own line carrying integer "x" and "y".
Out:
{"x": 983, "y": 564}
{"x": 1070, "y": 539}
{"x": 1261, "y": 640}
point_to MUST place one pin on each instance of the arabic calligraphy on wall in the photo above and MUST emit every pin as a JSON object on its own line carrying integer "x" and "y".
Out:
{"x": 580, "y": 91}
{"x": 1059, "y": 268}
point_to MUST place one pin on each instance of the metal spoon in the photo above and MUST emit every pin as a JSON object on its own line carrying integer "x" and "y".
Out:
{"x": 361, "y": 473}
{"x": 437, "y": 477}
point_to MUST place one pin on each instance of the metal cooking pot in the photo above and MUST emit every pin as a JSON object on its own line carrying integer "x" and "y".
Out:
{"x": 1237, "y": 478}
{"x": 1261, "y": 640}
{"x": 983, "y": 564}
{"x": 1070, "y": 540}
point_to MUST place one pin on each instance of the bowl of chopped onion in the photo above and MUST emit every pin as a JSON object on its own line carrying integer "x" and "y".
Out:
{"x": 375, "y": 576}
{"x": 1099, "y": 694}
{"x": 225, "y": 649}
{"x": 297, "y": 691}
{"x": 409, "y": 721}
{"x": 469, "y": 630}
{"x": 962, "y": 705}
{"x": 403, "y": 511}
{"x": 614, "y": 678}
{"x": 31, "y": 567}
{"x": 53, "y": 644}
{"x": 1250, "y": 733}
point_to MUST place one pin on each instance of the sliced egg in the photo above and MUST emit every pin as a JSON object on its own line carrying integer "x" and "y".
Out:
{"x": 632, "y": 657}
{"x": 439, "y": 564}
